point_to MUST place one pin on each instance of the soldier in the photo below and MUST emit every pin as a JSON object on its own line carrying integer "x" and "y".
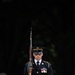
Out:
{"x": 40, "y": 67}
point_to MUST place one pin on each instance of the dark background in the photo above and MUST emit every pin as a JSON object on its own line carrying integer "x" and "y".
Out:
{"x": 53, "y": 28}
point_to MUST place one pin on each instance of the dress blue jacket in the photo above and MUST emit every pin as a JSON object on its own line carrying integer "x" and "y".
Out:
{"x": 44, "y": 68}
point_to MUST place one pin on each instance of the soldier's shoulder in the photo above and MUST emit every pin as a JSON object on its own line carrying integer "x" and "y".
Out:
{"x": 46, "y": 62}
{"x": 26, "y": 63}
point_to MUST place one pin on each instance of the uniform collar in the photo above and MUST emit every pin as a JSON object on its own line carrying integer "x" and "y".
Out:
{"x": 39, "y": 61}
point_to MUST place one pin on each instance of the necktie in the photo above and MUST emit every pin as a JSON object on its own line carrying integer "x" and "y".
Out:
{"x": 37, "y": 63}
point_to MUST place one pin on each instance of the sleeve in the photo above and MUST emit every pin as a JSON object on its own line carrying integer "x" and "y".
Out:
{"x": 25, "y": 70}
{"x": 50, "y": 71}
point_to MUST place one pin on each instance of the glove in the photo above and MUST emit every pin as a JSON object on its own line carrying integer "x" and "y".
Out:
{"x": 29, "y": 67}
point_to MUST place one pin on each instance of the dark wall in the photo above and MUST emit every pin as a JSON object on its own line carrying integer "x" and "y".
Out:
{"x": 53, "y": 28}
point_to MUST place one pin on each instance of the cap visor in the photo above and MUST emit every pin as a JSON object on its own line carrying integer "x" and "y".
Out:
{"x": 37, "y": 53}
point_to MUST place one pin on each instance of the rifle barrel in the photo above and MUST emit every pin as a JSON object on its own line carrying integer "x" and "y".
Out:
{"x": 30, "y": 52}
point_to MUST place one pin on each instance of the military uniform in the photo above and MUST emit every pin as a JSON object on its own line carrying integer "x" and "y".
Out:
{"x": 44, "y": 68}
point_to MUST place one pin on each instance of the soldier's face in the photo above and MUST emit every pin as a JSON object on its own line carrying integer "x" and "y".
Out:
{"x": 38, "y": 57}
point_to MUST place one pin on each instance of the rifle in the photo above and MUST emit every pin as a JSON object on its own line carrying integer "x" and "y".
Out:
{"x": 30, "y": 55}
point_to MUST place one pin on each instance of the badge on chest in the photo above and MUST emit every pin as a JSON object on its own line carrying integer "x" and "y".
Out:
{"x": 43, "y": 70}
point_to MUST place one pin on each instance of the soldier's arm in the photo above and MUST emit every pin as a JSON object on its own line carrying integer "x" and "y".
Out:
{"x": 28, "y": 68}
{"x": 50, "y": 71}
{"x": 25, "y": 70}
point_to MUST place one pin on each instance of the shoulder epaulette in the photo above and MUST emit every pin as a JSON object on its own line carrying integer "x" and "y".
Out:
{"x": 47, "y": 63}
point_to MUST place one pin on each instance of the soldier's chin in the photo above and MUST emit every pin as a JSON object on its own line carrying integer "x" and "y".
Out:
{"x": 38, "y": 58}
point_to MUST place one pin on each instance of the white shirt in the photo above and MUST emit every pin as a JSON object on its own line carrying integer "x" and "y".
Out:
{"x": 36, "y": 61}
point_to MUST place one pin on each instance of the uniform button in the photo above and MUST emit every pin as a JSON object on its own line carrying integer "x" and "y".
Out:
{"x": 37, "y": 72}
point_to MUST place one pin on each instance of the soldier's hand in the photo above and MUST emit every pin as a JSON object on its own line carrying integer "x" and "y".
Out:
{"x": 29, "y": 67}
